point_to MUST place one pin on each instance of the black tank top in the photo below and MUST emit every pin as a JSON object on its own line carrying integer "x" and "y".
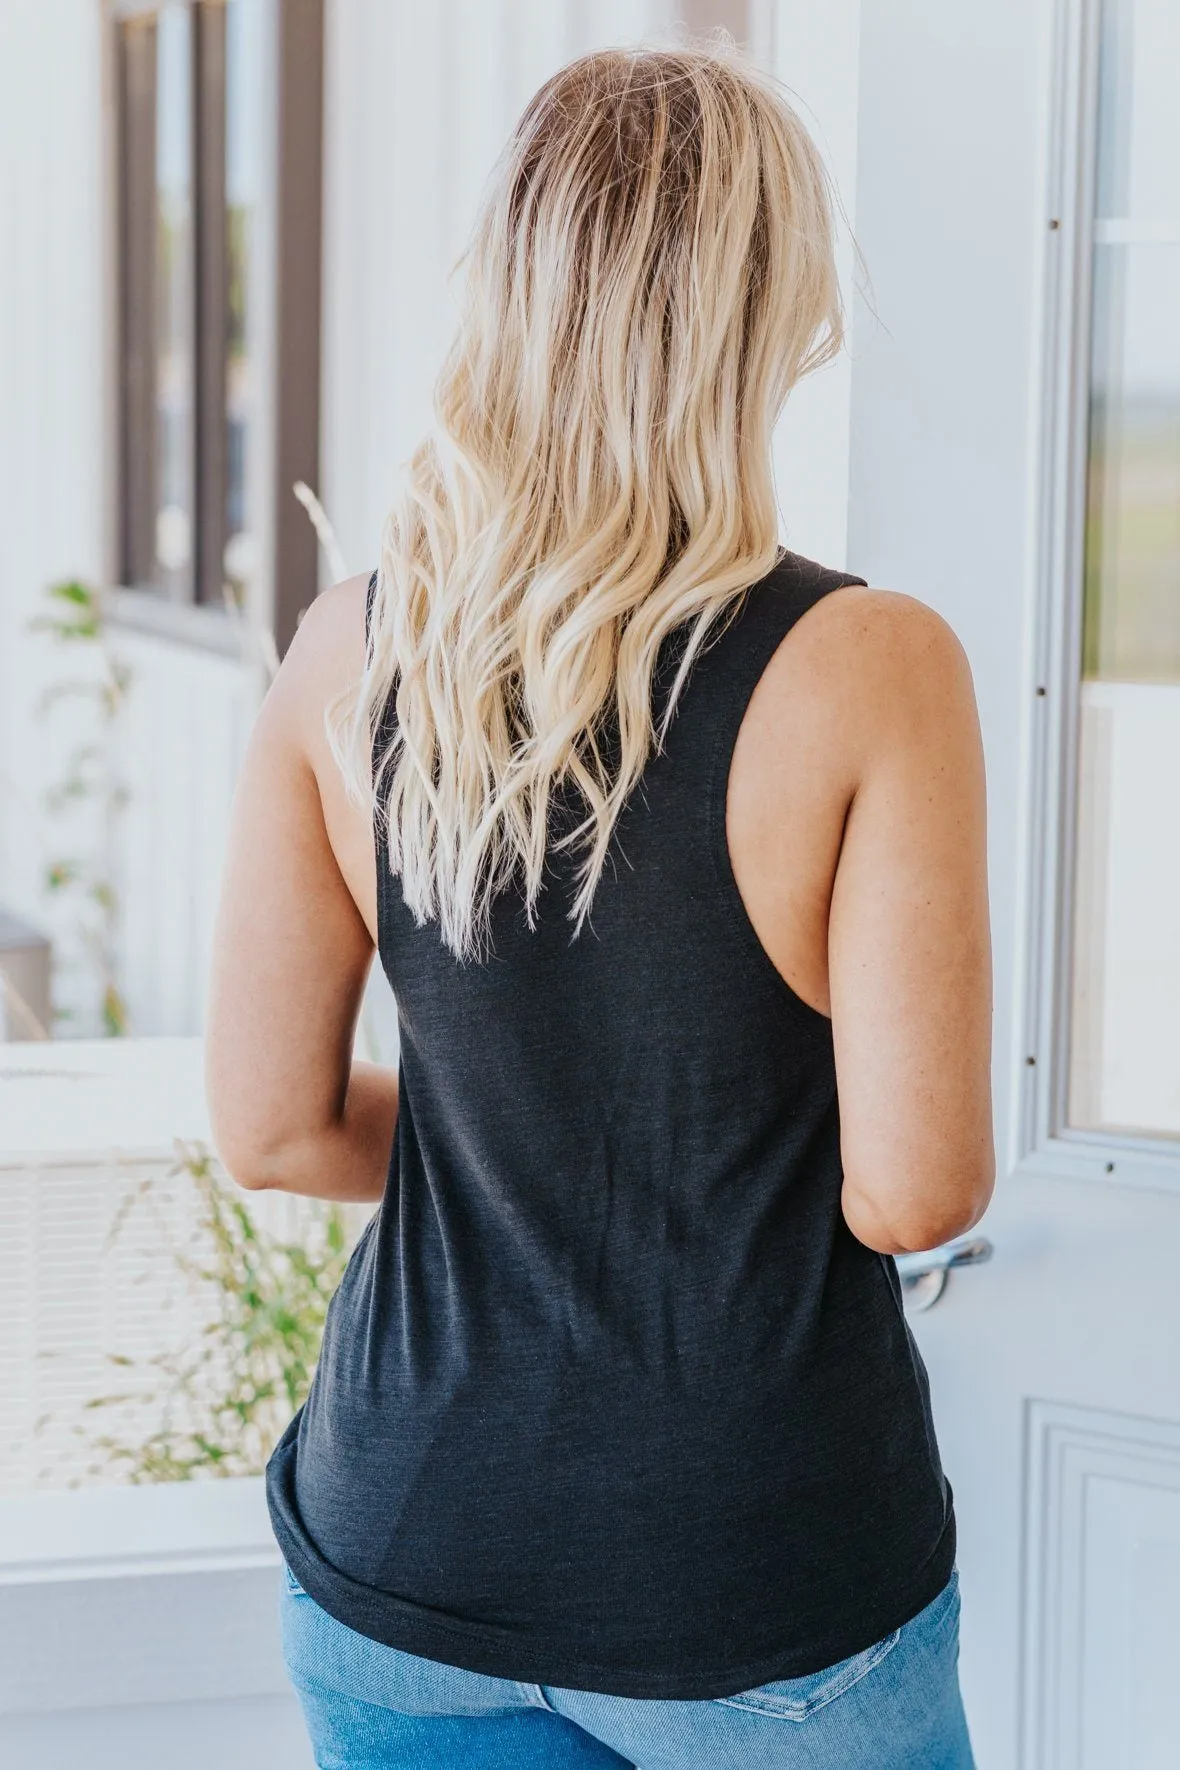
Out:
{"x": 610, "y": 1397}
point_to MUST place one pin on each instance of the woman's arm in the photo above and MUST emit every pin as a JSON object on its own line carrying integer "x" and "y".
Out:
{"x": 909, "y": 951}
{"x": 290, "y": 1108}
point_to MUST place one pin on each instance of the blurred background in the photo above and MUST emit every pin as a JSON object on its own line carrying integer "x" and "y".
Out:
{"x": 228, "y": 234}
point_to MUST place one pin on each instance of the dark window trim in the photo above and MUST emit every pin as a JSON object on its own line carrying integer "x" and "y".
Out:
{"x": 194, "y": 624}
{"x": 298, "y": 302}
{"x": 135, "y": 107}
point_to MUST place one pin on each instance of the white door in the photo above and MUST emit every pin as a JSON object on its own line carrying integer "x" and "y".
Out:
{"x": 1016, "y": 461}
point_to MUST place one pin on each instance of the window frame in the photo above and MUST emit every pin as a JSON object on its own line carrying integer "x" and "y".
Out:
{"x": 1045, "y": 1143}
{"x": 288, "y": 346}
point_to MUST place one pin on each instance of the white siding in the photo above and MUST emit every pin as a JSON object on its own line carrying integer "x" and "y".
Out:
{"x": 419, "y": 101}
{"x": 180, "y": 738}
{"x": 53, "y": 395}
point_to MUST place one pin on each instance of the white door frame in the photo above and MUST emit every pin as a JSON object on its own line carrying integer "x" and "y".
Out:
{"x": 1043, "y": 1143}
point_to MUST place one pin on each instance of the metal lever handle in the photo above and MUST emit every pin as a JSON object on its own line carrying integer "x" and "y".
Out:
{"x": 923, "y": 1276}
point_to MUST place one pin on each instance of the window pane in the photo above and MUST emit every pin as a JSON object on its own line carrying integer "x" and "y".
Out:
{"x": 1137, "y": 138}
{"x": 1132, "y": 590}
{"x": 154, "y": 63}
{"x": 244, "y": 53}
{"x": 1124, "y": 1071}
{"x": 1125, "y": 1048}
{"x": 174, "y": 299}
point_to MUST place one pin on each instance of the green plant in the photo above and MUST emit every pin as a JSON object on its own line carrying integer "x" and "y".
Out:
{"x": 75, "y": 616}
{"x": 222, "y": 1402}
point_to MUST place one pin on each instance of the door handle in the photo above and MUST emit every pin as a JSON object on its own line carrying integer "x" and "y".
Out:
{"x": 923, "y": 1276}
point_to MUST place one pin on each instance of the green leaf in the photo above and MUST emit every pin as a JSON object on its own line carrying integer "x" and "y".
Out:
{"x": 74, "y": 591}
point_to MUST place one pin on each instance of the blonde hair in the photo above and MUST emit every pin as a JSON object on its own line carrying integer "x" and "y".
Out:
{"x": 651, "y": 273}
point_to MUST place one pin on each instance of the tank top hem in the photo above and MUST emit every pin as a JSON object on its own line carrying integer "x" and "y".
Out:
{"x": 498, "y": 1652}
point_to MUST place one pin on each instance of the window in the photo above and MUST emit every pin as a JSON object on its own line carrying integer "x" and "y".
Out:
{"x": 1124, "y": 990}
{"x": 218, "y": 124}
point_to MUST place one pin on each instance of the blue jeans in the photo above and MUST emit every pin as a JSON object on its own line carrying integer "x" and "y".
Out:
{"x": 896, "y": 1706}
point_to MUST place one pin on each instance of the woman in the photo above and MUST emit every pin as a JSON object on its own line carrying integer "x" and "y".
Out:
{"x": 619, "y": 1450}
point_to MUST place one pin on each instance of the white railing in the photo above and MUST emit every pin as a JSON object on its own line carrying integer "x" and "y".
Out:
{"x": 92, "y": 1219}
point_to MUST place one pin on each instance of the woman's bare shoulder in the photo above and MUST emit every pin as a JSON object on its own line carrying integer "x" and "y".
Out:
{"x": 324, "y": 658}
{"x": 331, "y": 633}
{"x": 869, "y": 661}
{"x": 876, "y": 632}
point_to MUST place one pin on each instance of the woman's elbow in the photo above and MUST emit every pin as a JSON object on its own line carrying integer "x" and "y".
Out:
{"x": 252, "y": 1168}
{"x": 899, "y": 1221}
{"x": 253, "y": 1155}
{"x": 252, "y": 1124}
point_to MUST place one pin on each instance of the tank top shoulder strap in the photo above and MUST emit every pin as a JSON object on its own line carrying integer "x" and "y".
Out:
{"x": 677, "y": 827}
{"x": 693, "y": 771}
{"x": 731, "y": 664}
{"x": 747, "y": 640}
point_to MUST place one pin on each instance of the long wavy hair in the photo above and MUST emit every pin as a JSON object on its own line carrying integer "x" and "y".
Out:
{"x": 651, "y": 272}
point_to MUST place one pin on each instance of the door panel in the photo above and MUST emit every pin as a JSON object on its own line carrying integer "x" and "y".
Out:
{"x": 1057, "y": 1401}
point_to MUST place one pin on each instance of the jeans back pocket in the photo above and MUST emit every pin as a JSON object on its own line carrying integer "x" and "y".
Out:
{"x": 793, "y": 1699}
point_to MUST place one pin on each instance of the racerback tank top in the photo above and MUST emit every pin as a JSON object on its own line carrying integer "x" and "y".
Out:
{"x": 610, "y": 1397}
